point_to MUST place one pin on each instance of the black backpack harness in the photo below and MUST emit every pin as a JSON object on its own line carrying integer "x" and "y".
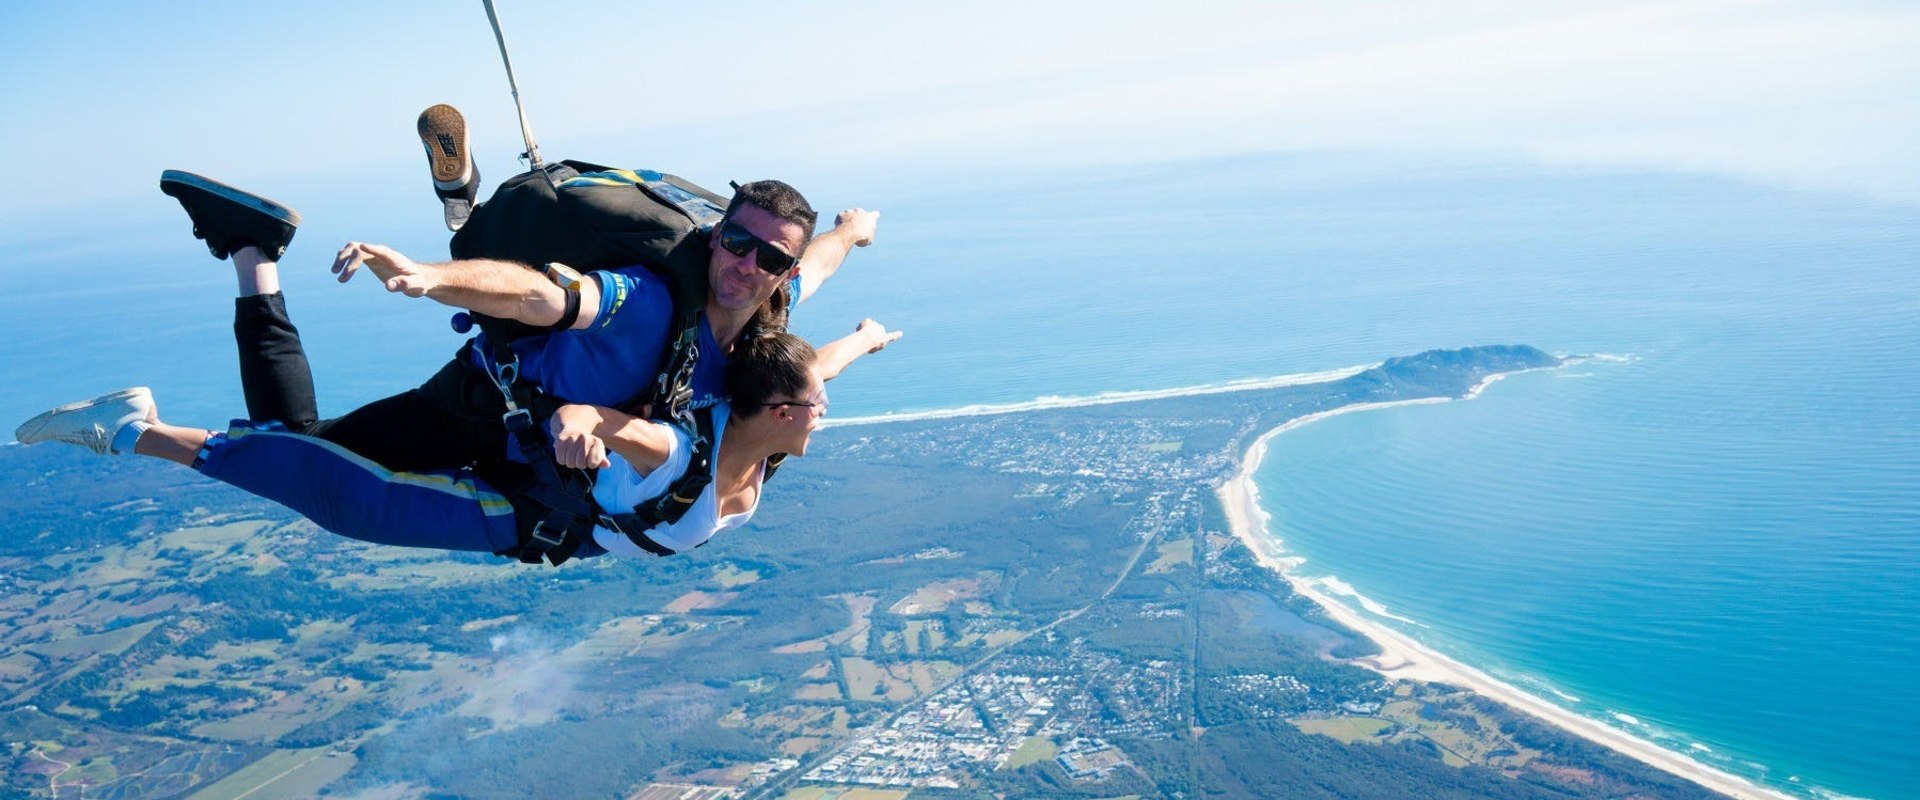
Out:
{"x": 591, "y": 217}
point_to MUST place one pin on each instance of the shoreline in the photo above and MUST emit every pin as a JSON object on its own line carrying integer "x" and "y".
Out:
{"x": 1402, "y": 657}
{"x": 1050, "y": 402}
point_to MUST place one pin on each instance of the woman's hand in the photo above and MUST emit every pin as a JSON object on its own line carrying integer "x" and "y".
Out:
{"x": 877, "y": 335}
{"x": 868, "y": 337}
{"x": 574, "y": 443}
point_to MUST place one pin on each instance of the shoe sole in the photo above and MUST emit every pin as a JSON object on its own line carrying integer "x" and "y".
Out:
{"x": 31, "y": 431}
{"x": 443, "y": 131}
{"x": 173, "y": 178}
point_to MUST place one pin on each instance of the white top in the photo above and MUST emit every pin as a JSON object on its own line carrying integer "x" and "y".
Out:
{"x": 620, "y": 487}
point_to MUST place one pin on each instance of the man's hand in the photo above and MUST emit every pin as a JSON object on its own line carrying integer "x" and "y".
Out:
{"x": 859, "y": 224}
{"x": 574, "y": 444}
{"x": 399, "y": 273}
{"x": 877, "y": 334}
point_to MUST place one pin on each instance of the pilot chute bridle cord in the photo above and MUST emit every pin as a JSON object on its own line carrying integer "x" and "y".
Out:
{"x": 532, "y": 155}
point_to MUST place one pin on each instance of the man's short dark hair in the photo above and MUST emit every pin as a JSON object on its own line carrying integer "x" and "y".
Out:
{"x": 780, "y": 200}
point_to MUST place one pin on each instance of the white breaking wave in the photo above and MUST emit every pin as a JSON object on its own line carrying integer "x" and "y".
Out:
{"x": 1626, "y": 718}
{"x": 1106, "y": 398}
{"x": 1374, "y": 607}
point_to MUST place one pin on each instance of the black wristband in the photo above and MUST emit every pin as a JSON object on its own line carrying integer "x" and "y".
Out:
{"x": 572, "y": 313}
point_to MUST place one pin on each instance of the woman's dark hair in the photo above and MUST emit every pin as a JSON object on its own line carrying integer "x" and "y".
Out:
{"x": 766, "y": 365}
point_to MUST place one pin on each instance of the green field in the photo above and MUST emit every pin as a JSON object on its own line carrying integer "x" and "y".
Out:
{"x": 1033, "y": 751}
{"x": 112, "y": 641}
{"x": 869, "y": 681}
{"x": 730, "y": 576}
{"x": 842, "y": 793}
{"x": 1346, "y": 729}
{"x": 280, "y": 774}
{"x": 1172, "y": 554}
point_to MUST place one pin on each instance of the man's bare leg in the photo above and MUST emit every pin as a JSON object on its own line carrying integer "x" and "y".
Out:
{"x": 257, "y": 274}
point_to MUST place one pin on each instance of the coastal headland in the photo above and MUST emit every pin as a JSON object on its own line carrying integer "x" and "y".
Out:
{"x": 1074, "y": 600}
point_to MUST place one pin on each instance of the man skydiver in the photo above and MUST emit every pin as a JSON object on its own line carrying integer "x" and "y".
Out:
{"x": 606, "y": 355}
{"x": 777, "y": 398}
{"x": 452, "y": 420}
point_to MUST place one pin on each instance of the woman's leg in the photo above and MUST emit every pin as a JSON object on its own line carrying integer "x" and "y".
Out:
{"x": 171, "y": 442}
{"x": 352, "y": 496}
{"x": 340, "y": 491}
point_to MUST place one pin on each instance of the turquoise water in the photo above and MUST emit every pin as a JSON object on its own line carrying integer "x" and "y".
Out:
{"x": 1612, "y": 533}
{"x": 1718, "y": 538}
{"x": 1715, "y": 537}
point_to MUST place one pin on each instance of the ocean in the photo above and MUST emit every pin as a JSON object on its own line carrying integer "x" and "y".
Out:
{"x": 1707, "y": 538}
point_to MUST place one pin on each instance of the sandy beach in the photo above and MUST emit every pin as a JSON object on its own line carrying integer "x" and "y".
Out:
{"x": 1403, "y": 657}
{"x": 1105, "y": 398}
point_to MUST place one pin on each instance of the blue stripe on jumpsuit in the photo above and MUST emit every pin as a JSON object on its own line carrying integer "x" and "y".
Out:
{"x": 354, "y": 497}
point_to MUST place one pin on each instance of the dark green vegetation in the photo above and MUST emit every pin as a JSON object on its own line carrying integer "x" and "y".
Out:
{"x": 916, "y": 603}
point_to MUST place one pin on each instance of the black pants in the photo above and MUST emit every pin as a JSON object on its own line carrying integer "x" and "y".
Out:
{"x": 446, "y": 423}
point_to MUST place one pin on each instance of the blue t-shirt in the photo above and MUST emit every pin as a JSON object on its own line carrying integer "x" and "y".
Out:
{"x": 617, "y": 357}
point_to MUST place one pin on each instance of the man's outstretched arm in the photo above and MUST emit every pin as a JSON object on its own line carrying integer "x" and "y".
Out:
{"x": 852, "y": 228}
{"x": 495, "y": 288}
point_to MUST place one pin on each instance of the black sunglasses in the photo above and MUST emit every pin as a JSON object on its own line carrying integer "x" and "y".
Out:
{"x": 821, "y": 403}
{"x": 736, "y": 239}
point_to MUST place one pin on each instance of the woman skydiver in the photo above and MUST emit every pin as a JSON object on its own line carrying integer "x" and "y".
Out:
{"x": 775, "y": 381}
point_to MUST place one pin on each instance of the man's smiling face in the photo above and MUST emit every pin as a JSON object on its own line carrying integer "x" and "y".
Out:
{"x": 738, "y": 281}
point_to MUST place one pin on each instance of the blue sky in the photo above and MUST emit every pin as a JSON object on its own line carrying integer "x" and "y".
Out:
{"x": 1822, "y": 95}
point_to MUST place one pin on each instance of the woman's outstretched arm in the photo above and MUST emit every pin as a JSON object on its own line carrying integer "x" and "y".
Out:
{"x": 869, "y": 337}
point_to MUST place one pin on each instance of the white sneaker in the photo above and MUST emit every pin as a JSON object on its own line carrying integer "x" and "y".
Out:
{"x": 89, "y": 423}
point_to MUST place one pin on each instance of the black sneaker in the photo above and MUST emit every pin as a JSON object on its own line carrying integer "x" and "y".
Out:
{"x": 229, "y": 219}
{"x": 456, "y": 179}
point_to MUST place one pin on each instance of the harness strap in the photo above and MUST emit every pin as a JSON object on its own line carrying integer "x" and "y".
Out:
{"x": 680, "y": 496}
{"x": 568, "y": 511}
{"x": 672, "y": 388}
